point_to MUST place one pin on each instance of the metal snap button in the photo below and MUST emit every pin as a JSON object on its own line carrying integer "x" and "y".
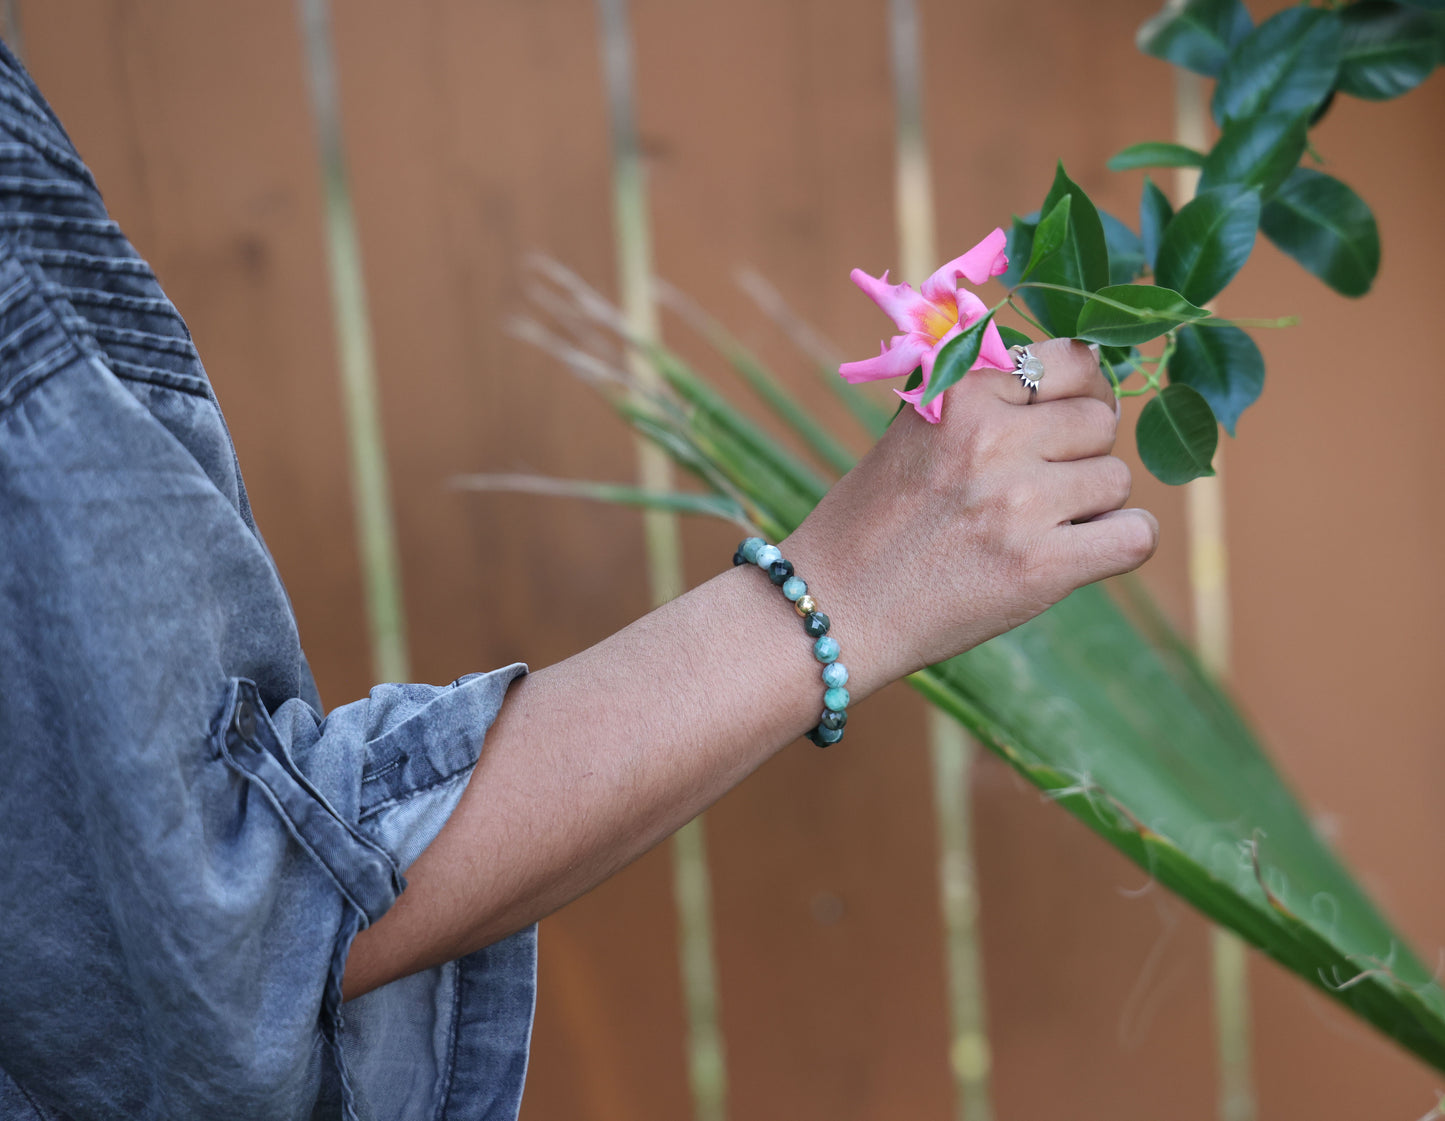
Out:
{"x": 245, "y": 720}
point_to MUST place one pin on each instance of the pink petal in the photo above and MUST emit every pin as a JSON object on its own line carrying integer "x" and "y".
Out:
{"x": 897, "y": 360}
{"x": 993, "y": 355}
{"x": 970, "y": 308}
{"x": 984, "y": 260}
{"x": 933, "y": 411}
{"x": 899, "y": 301}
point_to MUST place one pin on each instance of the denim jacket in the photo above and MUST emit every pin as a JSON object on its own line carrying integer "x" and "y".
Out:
{"x": 189, "y": 844}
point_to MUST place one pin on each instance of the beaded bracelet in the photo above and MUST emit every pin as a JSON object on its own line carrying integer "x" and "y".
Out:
{"x": 754, "y": 550}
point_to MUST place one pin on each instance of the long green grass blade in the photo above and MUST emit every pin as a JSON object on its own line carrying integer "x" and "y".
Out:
{"x": 762, "y": 382}
{"x": 619, "y": 494}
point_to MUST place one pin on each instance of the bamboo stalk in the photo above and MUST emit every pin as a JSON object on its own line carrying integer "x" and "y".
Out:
{"x": 1209, "y": 593}
{"x": 370, "y": 488}
{"x": 10, "y": 28}
{"x": 951, "y": 750}
{"x": 692, "y": 891}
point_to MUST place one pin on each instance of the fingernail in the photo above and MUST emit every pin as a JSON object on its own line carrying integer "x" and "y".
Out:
{"x": 1094, "y": 350}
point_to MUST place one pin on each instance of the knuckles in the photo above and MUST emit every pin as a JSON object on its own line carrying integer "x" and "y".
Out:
{"x": 1118, "y": 481}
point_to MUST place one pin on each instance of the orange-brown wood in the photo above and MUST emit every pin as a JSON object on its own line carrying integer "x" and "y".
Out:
{"x": 477, "y": 133}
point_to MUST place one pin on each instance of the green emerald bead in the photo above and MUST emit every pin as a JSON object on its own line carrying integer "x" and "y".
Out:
{"x": 824, "y": 737}
{"x": 816, "y": 624}
{"x": 749, "y": 549}
{"x": 835, "y": 675}
{"x": 767, "y": 556}
{"x": 795, "y": 587}
{"x": 826, "y": 649}
{"x": 837, "y": 699}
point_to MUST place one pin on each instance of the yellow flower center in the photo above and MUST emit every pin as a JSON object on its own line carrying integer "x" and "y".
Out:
{"x": 938, "y": 321}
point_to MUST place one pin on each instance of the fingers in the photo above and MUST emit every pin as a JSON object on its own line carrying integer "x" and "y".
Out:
{"x": 1076, "y": 428}
{"x": 1071, "y": 369}
{"x": 1111, "y": 544}
{"x": 1085, "y": 488}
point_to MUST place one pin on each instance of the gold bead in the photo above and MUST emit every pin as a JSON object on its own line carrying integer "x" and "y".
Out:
{"x": 805, "y": 605}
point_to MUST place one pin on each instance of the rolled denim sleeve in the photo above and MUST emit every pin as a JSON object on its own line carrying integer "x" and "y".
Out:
{"x": 190, "y": 845}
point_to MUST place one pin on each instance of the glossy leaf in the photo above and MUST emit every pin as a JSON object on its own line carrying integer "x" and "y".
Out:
{"x": 1223, "y": 365}
{"x": 1207, "y": 242}
{"x": 1121, "y": 358}
{"x": 1049, "y": 234}
{"x": 956, "y": 358}
{"x": 1327, "y": 228}
{"x": 1082, "y": 261}
{"x": 1155, "y": 213}
{"x": 1388, "y": 49}
{"x": 1126, "y": 251}
{"x": 1287, "y": 64}
{"x": 1196, "y": 35}
{"x": 1256, "y": 152}
{"x": 1130, "y": 314}
{"x": 1155, "y": 153}
{"x": 1177, "y": 435}
{"x": 1019, "y": 248}
{"x": 1013, "y": 337}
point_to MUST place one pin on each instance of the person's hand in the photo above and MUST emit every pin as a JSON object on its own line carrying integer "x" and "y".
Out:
{"x": 946, "y": 535}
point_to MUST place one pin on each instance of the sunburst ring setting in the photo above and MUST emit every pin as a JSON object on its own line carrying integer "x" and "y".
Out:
{"x": 1028, "y": 366}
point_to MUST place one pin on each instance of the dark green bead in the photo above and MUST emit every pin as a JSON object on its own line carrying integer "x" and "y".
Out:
{"x": 779, "y": 571}
{"x": 833, "y": 720}
{"x": 816, "y": 624}
{"x": 738, "y": 559}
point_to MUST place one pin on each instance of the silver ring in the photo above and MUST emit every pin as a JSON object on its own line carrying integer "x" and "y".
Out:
{"x": 1028, "y": 366}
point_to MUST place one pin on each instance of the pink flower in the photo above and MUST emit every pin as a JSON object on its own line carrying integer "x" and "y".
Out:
{"x": 930, "y": 318}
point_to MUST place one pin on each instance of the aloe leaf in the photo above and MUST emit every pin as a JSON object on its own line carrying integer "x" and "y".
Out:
{"x": 1157, "y": 760}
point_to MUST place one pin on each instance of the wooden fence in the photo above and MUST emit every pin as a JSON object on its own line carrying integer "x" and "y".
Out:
{"x": 476, "y": 132}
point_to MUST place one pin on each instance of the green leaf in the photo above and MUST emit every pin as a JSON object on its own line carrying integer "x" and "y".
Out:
{"x": 1388, "y": 49}
{"x": 1130, "y": 314}
{"x": 1285, "y": 65}
{"x": 1155, "y": 153}
{"x": 1013, "y": 337}
{"x": 1256, "y": 152}
{"x": 956, "y": 358}
{"x": 1177, "y": 435}
{"x": 618, "y": 494}
{"x": 1223, "y": 365}
{"x": 1082, "y": 261}
{"x": 1196, "y": 35}
{"x": 1123, "y": 359}
{"x": 1207, "y": 242}
{"x": 1049, "y": 234}
{"x": 1154, "y": 215}
{"x": 1019, "y": 248}
{"x": 1126, "y": 251}
{"x": 1327, "y": 228}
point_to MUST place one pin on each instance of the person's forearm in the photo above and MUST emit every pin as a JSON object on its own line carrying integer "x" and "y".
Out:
{"x": 596, "y": 759}
{"x": 943, "y": 536}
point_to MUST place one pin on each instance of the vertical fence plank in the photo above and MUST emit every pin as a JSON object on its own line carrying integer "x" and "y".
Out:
{"x": 370, "y": 486}
{"x": 770, "y": 129}
{"x": 1102, "y": 990}
{"x": 477, "y": 134}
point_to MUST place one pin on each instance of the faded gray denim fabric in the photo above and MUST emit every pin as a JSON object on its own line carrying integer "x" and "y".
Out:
{"x": 189, "y": 846}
